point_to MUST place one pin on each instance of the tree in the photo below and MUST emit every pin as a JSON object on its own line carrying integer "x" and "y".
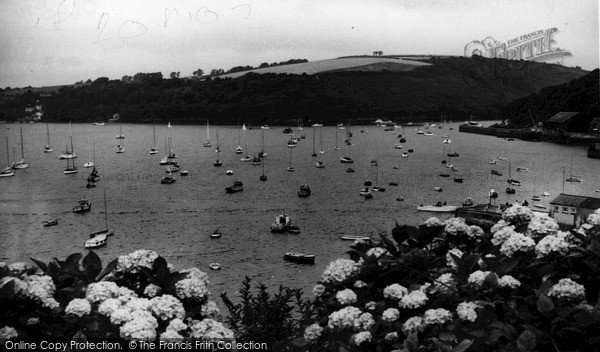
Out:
{"x": 216, "y": 72}
{"x": 263, "y": 65}
{"x": 127, "y": 79}
{"x": 198, "y": 73}
{"x": 100, "y": 80}
{"x": 174, "y": 75}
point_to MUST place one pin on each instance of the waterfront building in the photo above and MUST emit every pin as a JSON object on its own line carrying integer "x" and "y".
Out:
{"x": 572, "y": 210}
{"x": 560, "y": 122}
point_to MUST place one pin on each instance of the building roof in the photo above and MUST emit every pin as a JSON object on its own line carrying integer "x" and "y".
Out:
{"x": 561, "y": 117}
{"x": 571, "y": 200}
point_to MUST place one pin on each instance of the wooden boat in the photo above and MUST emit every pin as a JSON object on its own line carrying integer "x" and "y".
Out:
{"x": 539, "y": 206}
{"x": 215, "y": 266}
{"x": 215, "y": 234}
{"x": 458, "y": 180}
{"x": 536, "y": 198}
{"x": 437, "y": 208}
{"x": 522, "y": 169}
{"x": 282, "y": 221}
{"x": 496, "y": 172}
{"x": 355, "y": 238}
{"x": 50, "y": 222}
{"x": 299, "y": 258}
{"x": 304, "y": 191}
{"x": 83, "y": 206}
{"x": 237, "y": 186}
{"x": 444, "y": 175}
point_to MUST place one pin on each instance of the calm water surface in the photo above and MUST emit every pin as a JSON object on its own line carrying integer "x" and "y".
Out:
{"x": 176, "y": 220}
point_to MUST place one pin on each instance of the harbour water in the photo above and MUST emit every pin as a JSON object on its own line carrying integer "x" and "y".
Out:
{"x": 176, "y": 220}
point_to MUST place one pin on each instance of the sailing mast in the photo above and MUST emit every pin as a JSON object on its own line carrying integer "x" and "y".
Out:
{"x": 321, "y": 151}
{"x": 314, "y": 138}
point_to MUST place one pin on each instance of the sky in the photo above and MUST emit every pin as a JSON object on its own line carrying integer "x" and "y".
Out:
{"x": 56, "y": 42}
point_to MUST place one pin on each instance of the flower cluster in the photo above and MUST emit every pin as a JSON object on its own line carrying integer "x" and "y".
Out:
{"x": 346, "y": 296}
{"x": 132, "y": 262}
{"x": 594, "y": 218}
{"x": 517, "y": 243}
{"x": 340, "y": 270}
{"x": 78, "y": 307}
{"x": 457, "y": 227}
{"x": 466, "y": 311}
{"x": 477, "y": 278}
{"x": 502, "y": 234}
{"x": 395, "y": 291}
{"x": 551, "y": 244}
{"x": 344, "y": 318}
{"x": 414, "y": 299}
{"x": 568, "y": 290}
{"x": 194, "y": 287}
{"x": 376, "y": 252}
{"x": 517, "y": 214}
{"x": 432, "y": 222}
{"x": 541, "y": 225}
{"x": 436, "y": 316}
{"x": 508, "y": 281}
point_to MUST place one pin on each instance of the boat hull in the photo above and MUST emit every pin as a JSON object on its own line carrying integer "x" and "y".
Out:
{"x": 299, "y": 258}
{"x": 438, "y": 209}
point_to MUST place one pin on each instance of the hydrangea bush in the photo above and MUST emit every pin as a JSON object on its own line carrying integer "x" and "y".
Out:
{"x": 136, "y": 297}
{"x": 447, "y": 286}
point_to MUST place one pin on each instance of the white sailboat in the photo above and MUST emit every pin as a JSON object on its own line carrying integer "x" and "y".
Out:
{"x": 91, "y": 164}
{"x": 120, "y": 135}
{"x": 239, "y": 149}
{"x": 262, "y": 152}
{"x": 98, "y": 239}
{"x": 290, "y": 167}
{"x": 207, "y": 143}
{"x": 171, "y": 154}
{"x": 337, "y": 147}
{"x": 218, "y": 162}
{"x": 154, "y": 150}
{"x": 69, "y": 154}
{"x": 71, "y": 168}
{"x": 21, "y": 164}
{"x": 8, "y": 171}
{"x": 47, "y": 147}
{"x": 321, "y": 151}
{"x": 573, "y": 178}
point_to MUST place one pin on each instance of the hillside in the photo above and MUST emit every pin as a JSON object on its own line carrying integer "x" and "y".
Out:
{"x": 579, "y": 95}
{"x": 349, "y": 90}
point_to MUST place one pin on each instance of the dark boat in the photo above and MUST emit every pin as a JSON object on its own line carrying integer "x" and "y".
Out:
{"x": 496, "y": 172}
{"x": 287, "y": 130}
{"x": 293, "y": 229}
{"x": 444, "y": 175}
{"x": 468, "y": 202}
{"x": 411, "y": 150}
{"x": 168, "y": 179}
{"x": 510, "y": 190}
{"x": 349, "y": 169}
{"x": 238, "y": 186}
{"x": 215, "y": 234}
{"x": 453, "y": 155}
{"x": 299, "y": 258}
{"x": 458, "y": 179}
{"x": 50, "y": 222}
{"x": 84, "y": 206}
{"x": 368, "y": 183}
{"x": 393, "y": 183}
{"x": 346, "y": 160}
{"x": 304, "y": 191}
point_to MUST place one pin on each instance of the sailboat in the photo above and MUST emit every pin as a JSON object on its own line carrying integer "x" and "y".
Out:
{"x": 153, "y": 150}
{"x": 510, "y": 180}
{"x": 239, "y": 149}
{"x": 314, "y": 141}
{"x": 90, "y": 164}
{"x": 98, "y": 239}
{"x": 207, "y": 143}
{"x": 8, "y": 171}
{"x": 290, "y": 168}
{"x": 21, "y": 164}
{"x": 69, "y": 154}
{"x": 336, "y": 140}
{"x": 262, "y": 152}
{"x": 165, "y": 160}
{"x": 263, "y": 177}
{"x": 573, "y": 178}
{"x": 171, "y": 154}
{"x": 120, "y": 149}
{"x": 47, "y": 147}
{"x": 120, "y": 135}
{"x": 347, "y": 159}
{"x": 247, "y": 157}
{"x": 376, "y": 188}
{"x": 321, "y": 151}
{"x": 218, "y": 150}
{"x": 71, "y": 168}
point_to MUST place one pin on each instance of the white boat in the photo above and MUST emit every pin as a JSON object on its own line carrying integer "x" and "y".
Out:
{"x": 404, "y": 154}
{"x": 365, "y": 191}
{"x": 398, "y": 146}
{"x": 91, "y": 163}
{"x": 290, "y": 168}
{"x": 246, "y": 158}
{"x": 545, "y": 194}
{"x": 207, "y": 143}
{"x": 120, "y": 135}
{"x": 281, "y": 223}
{"x": 317, "y": 125}
{"x": 8, "y": 171}
{"x": 120, "y": 149}
{"x": 168, "y": 179}
{"x": 437, "y": 208}
{"x": 21, "y": 164}
{"x": 71, "y": 168}
{"x": 215, "y": 234}
{"x": 319, "y": 165}
{"x": 244, "y": 127}
{"x": 47, "y": 147}
{"x": 355, "y": 238}
{"x": 420, "y": 132}
{"x": 154, "y": 150}
{"x": 522, "y": 169}
{"x": 502, "y": 158}
{"x": 428, "y": 133}
{"x": 239, "y": 150}
{"x": 98, "y": 239}
{"x": 229, "y": 172}
{"x": 493, "y": 161}
{"x": 215, "y": 266}
{"x": 437, "y": 189}
{"x": 265, "y": 127}
{"x": 346, "y": 160}
{"x": 99, "y": 123}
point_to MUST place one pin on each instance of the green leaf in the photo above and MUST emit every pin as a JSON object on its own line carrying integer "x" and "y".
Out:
{"x": 40, "y": 264}
{"x": 494, "y": 335}
{"x": 545, "y": 305}
{"x": 446, "y": 336}
{"x": 389, "y": 245}
{"x": 162, "y": 271}
{"x": 7, "y": 290}
{"x": 79, "y": 337}
{"x": 300, "y": 342}
{"x": 92, "y": 265}
{"x": 526, "y": 341}
{"x": 110, "y": 267}
{"x": 72, "y": 262}
{"x": 463, "y": 346}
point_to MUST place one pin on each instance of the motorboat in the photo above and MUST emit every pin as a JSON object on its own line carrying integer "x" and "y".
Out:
{"x": 513, "y": 182}
{"x": 51, "y": 222}
{"x": 291, "y": 143}
{"x": 437, "y": 189}
{"x": 304, "y": 191}
{"x": 229, "y": 172}
{"x": 438, "y": 208}
{"x": 378, "y": 189}
{"x": 468, "y": 202}
{"x": 265, "y": 127}
{"x": 184, "y": 173}
{"x": 420, "y": 132}
{"x": 536, "y": 198}
{"x": 282, "y": 221}
{"x": 218, "y": 163}
{"x": 444, "y": 175}
{"x": 319, "y": 165}
{"x": 88, "y": 164}
{"x": 83, "y": 206}
{"x": 573, "y": 178}
{"x": 374, "y": 163}
{"x": 404, "y": 154}
{"x": 96, "y": 241}
{"x": 215, "y": 234}
{"x": 510, "y": 190}
{"x": 368, "y": 182}
{"x": 355, "y": 238}
{"x": 246, "y": 158}
{"x": 237, "y": 186}
{"x": 299, "y": 258}
{"x": 288, "y": 130}
{"x": 215, "y": 266}
{"x": 522, "y": 169}
{"x": 496, "y": 172}
{"x": 545, "y": 194}
{"x": 239, "y": 150}
{"x": 453, "y": 155}
{"x": 493, "y": 161}
{"x": 397, "y": 146}
{"x": 346, "y": 160}
{"x": 120, "y": 149}
{"x": 411, "y": 150}
{"x": 168, "y": 179}
{"x": 393, "y": 183}
{"x": 365, "y": 191}
{"x": 153, "y": 150}
{"x": 428, "y": 133}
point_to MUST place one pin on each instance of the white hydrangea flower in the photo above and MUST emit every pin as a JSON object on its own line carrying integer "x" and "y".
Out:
{"x": 478, "y": 277}
{"x": 132, "y": 262}
{"x": 78, "y": 307}
{"x": 436, "y": 316}
{"x": 120, "y": 316}
{"x": 361, "y": 337}
{"x": 167, "y": 307}
{"x": 50, "y": 303}
{"x": 340, "y": 270}
{"x": 466, "y": 311}
{"x": 541, "y": 225}
{"x": 391, "y": 337}
{"x": 318, "y": 290}
{"x": 18, "y": 269}
{"x": 33, "y": 321}
{"x": 503, "y": 234}
{"x": 594, "y": 219}
{"x": 192, "y": 289}
{"x": 346, "y": 296}
{"x": 517, "y": 243}
{"x": 136, "y": 303}
{"x": 171, "y": 336}
{"x": 139, "y": 329}
{"x": 108, "y": 307}
{"x": 414, "y": 299}
{"x": 509, "y": 282}
{"x": 550, "y": 244}
{"x": 567, "y": 289}
{"x": 313, "y": 332}
{"x": 152, "y": 290}
{"x": 394, "y": 291}
{"x": 444, "y": 284}
{"x": 125, "y": 295}
{"x": 370, "y": 305}
{"x": 425, "y": 287}
{"x": 359, "y": 284}
{"x": 476, "y": 231}
{"x": 101, "y": 291}
{"x": 457, "y": 227}
{"x": 517, "y": 214}
{"x": 196, "y": 273}
{"x": 209, "y": 329}
{"x": 210, "y": 310}
{"x": 501, "y": 225}
{"x": 377, "y": 252}
{"x": 433, "y": 221}
{"x": 8, "y": 332}
{"x": 450, "y": 261}
{"x": 364, "y": 321}
{"x": 177, "y": 325}
{"x": 390, "y": 315}
{"x": 39, "y": 287}
{"x": 344, "y": 318}
{"x": 413, "y": 325}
